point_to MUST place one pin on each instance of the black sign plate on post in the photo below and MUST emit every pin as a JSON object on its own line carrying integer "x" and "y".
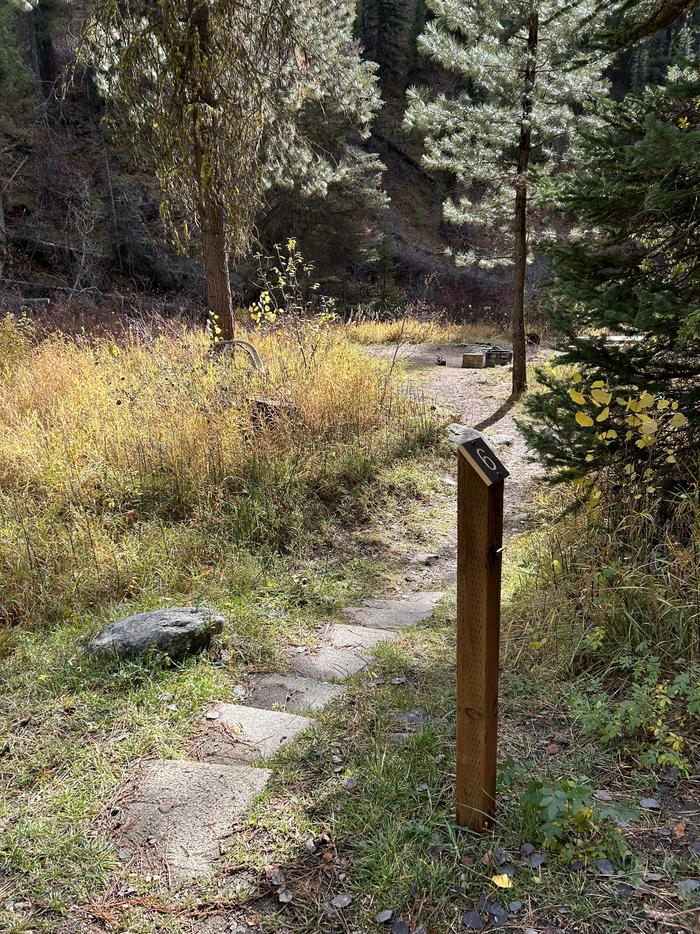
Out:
{"x": 484, "y": 461}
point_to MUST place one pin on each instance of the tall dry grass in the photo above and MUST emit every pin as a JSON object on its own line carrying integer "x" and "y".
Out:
{"x": 414, "y": 331}
{"x": 588, "y": 591}
{"x": 130, "y": 468}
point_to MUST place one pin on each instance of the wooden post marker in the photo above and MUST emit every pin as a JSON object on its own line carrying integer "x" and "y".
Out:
{"x": 479, "y": 545}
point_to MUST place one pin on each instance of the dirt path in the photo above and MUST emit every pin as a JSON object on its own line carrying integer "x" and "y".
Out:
{"x": 478, "y": 399}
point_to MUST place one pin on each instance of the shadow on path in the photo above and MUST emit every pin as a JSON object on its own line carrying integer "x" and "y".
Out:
{"x": 496, "y": 416}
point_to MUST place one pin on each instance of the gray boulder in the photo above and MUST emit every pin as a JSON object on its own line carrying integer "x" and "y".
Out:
{"x": 457, "y": 434}
{"x": 175, "y": 632}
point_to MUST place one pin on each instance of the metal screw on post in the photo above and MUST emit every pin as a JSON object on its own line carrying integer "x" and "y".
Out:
{"x": 480, "y": 481}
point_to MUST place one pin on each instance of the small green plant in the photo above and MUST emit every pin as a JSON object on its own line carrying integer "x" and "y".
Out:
{"x": 651, "y": 721}
{"x": 564, "y": 817}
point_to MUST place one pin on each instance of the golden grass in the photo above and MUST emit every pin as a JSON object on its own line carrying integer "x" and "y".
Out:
{"x": 128, "y": 468}
{"x": 413, "y": 331}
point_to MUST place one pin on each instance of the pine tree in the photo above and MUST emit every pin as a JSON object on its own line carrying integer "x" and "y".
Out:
{"x": 524, "y": 83}
{"x": 219, "y": 91}
{"x": 633, "y": 268}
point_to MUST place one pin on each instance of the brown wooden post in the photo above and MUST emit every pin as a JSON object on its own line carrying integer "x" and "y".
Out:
{"x": 479, "y": 545}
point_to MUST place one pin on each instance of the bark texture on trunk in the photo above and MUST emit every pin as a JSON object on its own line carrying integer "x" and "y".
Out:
{"x": 520, "y": 214}
{"x": 212, "y": 217}
{"x": 216, "y": 271}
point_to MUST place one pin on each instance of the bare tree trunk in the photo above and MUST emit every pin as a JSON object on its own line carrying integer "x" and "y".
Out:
{"x": 216, "y": 272}
{"x": 212, "y": 218}
{"x": 520, "y": 215}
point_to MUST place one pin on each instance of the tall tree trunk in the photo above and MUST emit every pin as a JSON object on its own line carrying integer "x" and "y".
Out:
{"x": 520, "y": 214}
{"x": 212, "y": 217}
{"x": 216, "y": 272}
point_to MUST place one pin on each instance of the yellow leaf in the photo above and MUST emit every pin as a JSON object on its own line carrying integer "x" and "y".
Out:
{"x": 589, "y": 458}
{"x": 646, "y": 400}
{"x": 537, "y": 643}
{"x": 662, "y": 404}
{"x": 598, "y": 384}
{"x": 621, "y": 401}
{"x": 602, "y": 396}
{"x": 577, "y": 397}
{"x": 503, "y": 881}
{"x": 611, "y": 434}
{"x": 649, "y": 426}
{"x": 585, "y": 421}
{"x": 577, "y": 377}
{"x": 603, "y": 415}
{"x": 678, "y": 421}
{"x": 671, "y": 459}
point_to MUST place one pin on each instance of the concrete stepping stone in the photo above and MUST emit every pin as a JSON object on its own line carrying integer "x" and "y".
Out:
{"x": 328, "y": 663}
{"x": 341, "y": 653}
{"x": 396, "y": 614}
{"x": 174, "y": 815}
{"x": 294, "y": 694}
{"x": 235, "y": 733}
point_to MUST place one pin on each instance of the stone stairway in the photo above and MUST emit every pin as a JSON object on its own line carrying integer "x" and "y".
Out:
{"x": 172, "y": 818}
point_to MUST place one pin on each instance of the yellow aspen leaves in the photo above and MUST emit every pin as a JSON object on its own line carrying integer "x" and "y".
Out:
{"x": 646, "y": 400}
{"x": 502, "y": 881}
{"x": 603, "y": 414}
{"x": 577, "y": 397}
{"x": 577, "y": 377}
{"x": 678, "y": 421}
{"x": 662, "y": 404}
{"x": 602, "y": 396}
{"x": 585, "y": 421}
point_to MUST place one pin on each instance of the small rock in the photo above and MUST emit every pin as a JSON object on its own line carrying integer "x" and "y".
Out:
{"x": 310, "y": 846}
{"x": 650, "y": 804}
{"x": 498, "y": 915}
{"x": 385, "y": 915}
{"x": 472, "y": 921}
{"x": 277, "y": 877}
{"x": 536, "y": 860}
{"x": 695, "y": 846}
{"x": 399, "y": 927}
{"x": 459, "y": 434}
{"x": 604, "y": 867}
{"x": 527, "y": 849}
{"x": 422, "y": 786}
{"x": 284, "y": 896}
{"x": 424, "y": 558}
{"x": 602, "y": 796}
{"x": 349, "y": 784}
{"x": 515, "y": 905}
{"x": 212, "y": 715}
{"x": 341, "y": 901}
{"x": 400, "y": 680}
{"x": 687, "y": 886}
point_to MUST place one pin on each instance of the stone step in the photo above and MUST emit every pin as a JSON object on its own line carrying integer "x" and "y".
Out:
{"x": 396, "y": 614}
{"x": 341, "y": 653}
{"x": 293, "y": 694}
{"x": 236, "y": 733}
{"x": 174, "y": 816}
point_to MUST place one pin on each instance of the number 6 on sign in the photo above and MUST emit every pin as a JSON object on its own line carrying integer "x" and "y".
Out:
{"x": 479, "y": 545}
